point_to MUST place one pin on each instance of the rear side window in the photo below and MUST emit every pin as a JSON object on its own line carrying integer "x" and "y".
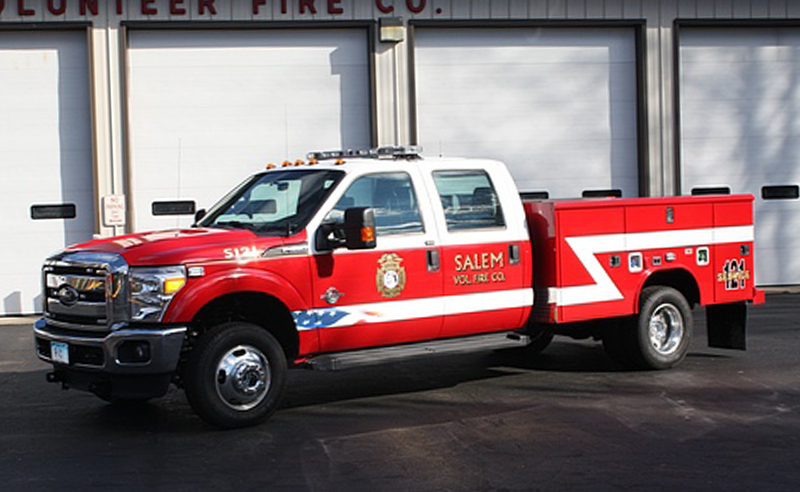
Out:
{"x": 469, "y": 200}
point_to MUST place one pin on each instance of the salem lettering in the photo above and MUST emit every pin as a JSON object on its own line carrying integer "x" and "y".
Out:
{"x": 479, "y": 261}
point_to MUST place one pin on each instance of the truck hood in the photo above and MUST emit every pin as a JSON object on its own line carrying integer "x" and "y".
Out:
{"x": 181, "y": 246}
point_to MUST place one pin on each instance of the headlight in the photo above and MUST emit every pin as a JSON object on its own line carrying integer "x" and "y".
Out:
{"x": 152, "y": 289}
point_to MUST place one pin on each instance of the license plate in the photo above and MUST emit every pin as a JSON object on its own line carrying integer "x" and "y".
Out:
{"x": 59, "y": 352}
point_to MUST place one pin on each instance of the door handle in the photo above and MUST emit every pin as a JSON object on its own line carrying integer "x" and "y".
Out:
{"x": 513, "y": 254}
{"x": 433, "y": 260}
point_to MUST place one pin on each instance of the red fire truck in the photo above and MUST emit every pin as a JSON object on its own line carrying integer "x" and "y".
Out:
{"x": 354, "y": 258}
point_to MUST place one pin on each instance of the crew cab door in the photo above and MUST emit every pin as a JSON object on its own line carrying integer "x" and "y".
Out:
{"x": 485, "y": 251}
{"x": 390, "y": 294}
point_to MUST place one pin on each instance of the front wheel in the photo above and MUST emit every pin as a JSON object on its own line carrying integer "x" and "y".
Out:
{"x": 235, "y": 376}
{"x": 661, "y": 333}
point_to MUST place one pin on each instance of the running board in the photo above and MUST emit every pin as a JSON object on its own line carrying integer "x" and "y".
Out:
{"x": 373, "y": 356}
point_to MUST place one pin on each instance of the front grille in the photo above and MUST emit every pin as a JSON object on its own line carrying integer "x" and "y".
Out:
{"x": 85, "y": 291}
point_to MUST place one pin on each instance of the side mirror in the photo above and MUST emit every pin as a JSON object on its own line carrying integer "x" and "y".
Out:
{"x": 198, "y": 216}
{"x": 357, "y": 231}
{"x": 359, "y": 228}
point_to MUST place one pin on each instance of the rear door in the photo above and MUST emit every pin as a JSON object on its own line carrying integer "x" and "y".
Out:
{"x": 487, "y": 285}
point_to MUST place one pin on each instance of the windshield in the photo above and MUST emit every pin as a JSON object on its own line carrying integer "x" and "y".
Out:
{"x": 274, "y": 203}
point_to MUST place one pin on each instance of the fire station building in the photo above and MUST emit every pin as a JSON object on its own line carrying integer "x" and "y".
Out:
{"x": 129, "y": 115}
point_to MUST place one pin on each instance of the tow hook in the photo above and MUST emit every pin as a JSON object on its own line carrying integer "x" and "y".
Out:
{"x": 56, "y": 377}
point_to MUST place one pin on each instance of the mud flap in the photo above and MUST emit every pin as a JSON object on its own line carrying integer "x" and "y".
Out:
{"x": 726, "y": 326}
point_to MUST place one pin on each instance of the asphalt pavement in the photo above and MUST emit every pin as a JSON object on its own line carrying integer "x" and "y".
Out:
{"x": 567, "y": 420}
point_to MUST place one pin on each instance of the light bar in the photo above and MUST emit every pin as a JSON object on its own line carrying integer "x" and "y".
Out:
{"x": 376, "y": 153}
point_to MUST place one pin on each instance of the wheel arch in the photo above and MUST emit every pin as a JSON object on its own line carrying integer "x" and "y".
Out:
{"x": 258, "y": 308}
{"x": 679, "y": 279}
{"x": 254, "y": 296}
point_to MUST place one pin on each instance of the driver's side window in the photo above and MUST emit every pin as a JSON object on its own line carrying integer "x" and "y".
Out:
{"x": 392, "y": 197}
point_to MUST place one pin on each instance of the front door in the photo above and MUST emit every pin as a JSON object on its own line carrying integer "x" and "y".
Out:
{"x": 388, "y": 295}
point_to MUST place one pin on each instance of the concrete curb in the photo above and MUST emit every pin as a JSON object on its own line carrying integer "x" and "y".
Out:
{"x": 789, "y": 289}
{"x": 18, "y": 320}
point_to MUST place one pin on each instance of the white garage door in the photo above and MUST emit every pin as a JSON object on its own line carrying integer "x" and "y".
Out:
{"x": 208, "y": 108}
{"x": 45, "y": 157}
{"x": 557, "y": 105}
{"x": 740, "y": 132}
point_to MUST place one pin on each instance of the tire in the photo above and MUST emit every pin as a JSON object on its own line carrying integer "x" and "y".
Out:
{"x": 659, "y": 336}
{"x": 236, "y": 375}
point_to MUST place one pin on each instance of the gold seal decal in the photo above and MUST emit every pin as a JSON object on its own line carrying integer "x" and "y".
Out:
{"x": 391, "y": 276}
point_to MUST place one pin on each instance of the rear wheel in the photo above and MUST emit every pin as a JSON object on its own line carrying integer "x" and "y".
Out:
{"x": 659, "y": 337}
{"x": 235, "y": 376}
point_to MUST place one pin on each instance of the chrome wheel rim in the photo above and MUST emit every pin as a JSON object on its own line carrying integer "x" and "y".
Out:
{"x": 243, "y": 377}
{"x": 666, "y": 329}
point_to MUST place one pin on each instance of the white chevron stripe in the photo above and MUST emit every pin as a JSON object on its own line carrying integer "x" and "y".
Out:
{"x": 587, "y": 247}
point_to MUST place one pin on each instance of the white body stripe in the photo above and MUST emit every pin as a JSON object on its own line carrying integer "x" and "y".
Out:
{"x": 385, "y": 312}
{"x": 587, "y": 247}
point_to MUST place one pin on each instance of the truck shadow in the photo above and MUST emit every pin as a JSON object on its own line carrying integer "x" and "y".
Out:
{"x": 567, "y": 359}
{"x": 581, "y": 358}
{"x": 437, "y": 372}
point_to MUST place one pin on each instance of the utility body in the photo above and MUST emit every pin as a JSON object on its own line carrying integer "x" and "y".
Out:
{"x": 358, "y": 258}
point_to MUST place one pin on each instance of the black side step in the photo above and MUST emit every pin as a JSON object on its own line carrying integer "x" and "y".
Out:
{"x": 368, "y": 357}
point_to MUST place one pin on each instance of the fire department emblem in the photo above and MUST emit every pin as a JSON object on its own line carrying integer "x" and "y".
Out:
{"x": 391, "y": 276}
{"x": 734, "y": 274}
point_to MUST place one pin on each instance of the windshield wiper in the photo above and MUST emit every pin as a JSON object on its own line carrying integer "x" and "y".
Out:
{"x": 235, "y": 224}
{"x": 288, "y": 228}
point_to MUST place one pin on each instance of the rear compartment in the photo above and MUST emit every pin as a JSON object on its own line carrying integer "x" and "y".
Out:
{"x": 592, "y": 258}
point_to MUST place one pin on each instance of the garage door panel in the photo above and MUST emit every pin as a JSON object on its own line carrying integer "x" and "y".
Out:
{"x": 198, "y": 81}
{"x": 205, "y": 130}
{"x": 546, "y": 101}
{"x": 312, "y": 48}
{"x": 559, "y": 46}
{"x": 177, "y": 168}
{"x": 722, "y": 82}
{"x": 540, "y": 84}
{"x": 720, "y": 120}
{"x": 783, "y": 262}
{"x": 209, "y": 107}
{"x": 745, "y": 46}
{"x": 776, "y": 158}
{"x": 577, "y": 120}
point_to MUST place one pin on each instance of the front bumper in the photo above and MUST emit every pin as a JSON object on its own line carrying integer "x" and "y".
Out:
{"x": 108, "y": 364}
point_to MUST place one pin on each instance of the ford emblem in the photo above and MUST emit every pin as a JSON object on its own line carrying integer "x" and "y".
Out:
{"x": 68, "y": 295}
